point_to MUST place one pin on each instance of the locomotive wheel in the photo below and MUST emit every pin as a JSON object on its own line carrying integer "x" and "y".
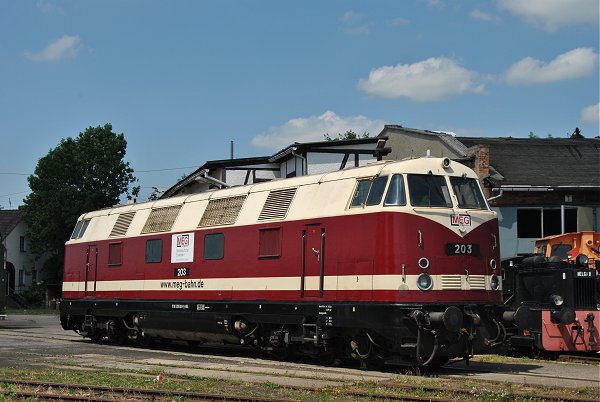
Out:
{"x": 326, "y": 358}
{"x": 438, "y": 362}
{"x": 96, "y": 336}
{"x": 281, "y": 353}
{"x": 119, "y": 338}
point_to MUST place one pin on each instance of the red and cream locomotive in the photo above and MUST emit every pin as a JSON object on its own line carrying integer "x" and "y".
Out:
{"x": 395, "y": 262}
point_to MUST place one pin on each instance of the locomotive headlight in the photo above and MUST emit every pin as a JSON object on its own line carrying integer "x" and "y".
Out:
{"x": 581, "y": 260}
{"x": 424, "y": 282}
{"x": 423, "y": 263}
{"x": 493, "y": 264}
{"x": 557, "y": 300}
{"x": 495, "y": 282}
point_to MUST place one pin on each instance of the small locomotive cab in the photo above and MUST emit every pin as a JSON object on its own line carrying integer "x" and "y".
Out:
{"x": 394, "y": 262}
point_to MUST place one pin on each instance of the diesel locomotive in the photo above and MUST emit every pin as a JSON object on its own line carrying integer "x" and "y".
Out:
{"x": 560, "y": 287}
{"x": 394, "y": 262}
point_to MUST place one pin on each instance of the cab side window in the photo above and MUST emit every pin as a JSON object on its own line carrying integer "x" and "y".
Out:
{"x": 395, "y": 194}
{"x": 369, "y": 192}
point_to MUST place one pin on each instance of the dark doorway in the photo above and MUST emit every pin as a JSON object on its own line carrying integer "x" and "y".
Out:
{"x": 10, "y": 277}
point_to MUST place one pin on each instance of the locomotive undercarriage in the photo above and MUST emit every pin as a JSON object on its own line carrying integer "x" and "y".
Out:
{"x": 373, "y": 334}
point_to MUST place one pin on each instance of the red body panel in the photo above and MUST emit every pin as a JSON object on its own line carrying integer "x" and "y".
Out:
{"x": 581, "y": 336}
{"x": 365, "y": 245}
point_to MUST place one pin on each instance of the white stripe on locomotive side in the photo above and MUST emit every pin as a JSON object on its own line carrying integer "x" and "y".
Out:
{"x": 311, "y": 283}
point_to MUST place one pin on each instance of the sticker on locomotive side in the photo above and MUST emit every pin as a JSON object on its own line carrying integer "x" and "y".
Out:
{"x": 182, "y": 247}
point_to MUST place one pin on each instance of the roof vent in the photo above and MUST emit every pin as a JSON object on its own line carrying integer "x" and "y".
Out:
{"x": 222, "y": 211}
{"x": 277, "y": 204}
{"x": 122, "y": 224}
{"x": 161, "y": 219}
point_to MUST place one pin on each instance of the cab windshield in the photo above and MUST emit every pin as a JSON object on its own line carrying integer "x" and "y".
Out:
{"x": 468, "y": 193}
{"x": 428, "y": 190}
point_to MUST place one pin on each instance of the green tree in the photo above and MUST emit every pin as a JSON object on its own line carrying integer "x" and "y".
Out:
{"x": 348, "y": 135}
{"x": 79, "y": 175}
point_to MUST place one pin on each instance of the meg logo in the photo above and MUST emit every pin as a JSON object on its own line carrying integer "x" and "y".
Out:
{"x": 460, "y": 220}
{"x": 182, "y": 247}
{"x": 183, "y": 240}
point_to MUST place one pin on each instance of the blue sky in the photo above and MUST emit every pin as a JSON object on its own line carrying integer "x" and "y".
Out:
{"x": 181, "y": 79}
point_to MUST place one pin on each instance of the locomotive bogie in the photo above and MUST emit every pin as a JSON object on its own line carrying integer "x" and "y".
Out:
{"x": 392, "y": 262}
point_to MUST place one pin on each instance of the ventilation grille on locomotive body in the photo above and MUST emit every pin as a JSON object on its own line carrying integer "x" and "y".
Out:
{"x": 584, "y": 293}
{"x": 277, "y": 204}
{"x": 122, "y": 224}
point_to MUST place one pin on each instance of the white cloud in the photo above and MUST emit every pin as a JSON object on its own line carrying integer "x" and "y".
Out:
{"x": 428, "y": 80}
{"x": 576, "y": 63}
{"x": 398, "y": 21}
{"x": 313, "y": 128}
{"x": 552, "y": 14}
{"x": 354, "y": 23}
{"x": 483, "y": 16}
{"x": 63, "y": 47}
{"x": 591, "y": 114}
{"x": 48, "y": 7}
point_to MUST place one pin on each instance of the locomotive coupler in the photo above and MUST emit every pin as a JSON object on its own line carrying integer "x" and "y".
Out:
{"x": 589, "y": 318}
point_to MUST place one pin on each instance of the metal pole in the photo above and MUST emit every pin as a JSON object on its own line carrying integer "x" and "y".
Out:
{"x": 562, "y": 219}
{"x": 3, "y": 282}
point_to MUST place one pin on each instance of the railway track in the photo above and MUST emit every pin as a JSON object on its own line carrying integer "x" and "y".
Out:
{"x": 51, "y": 391}
{"x": 61, "y": 391}
{"x": 579, "y": 359}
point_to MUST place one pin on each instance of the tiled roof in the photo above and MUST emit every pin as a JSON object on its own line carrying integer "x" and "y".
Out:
{"x": 543, "y": 162}
{"x": 9, "y": 220}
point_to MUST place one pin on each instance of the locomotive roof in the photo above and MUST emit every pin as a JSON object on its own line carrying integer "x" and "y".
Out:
{"x": 309, "y": 199}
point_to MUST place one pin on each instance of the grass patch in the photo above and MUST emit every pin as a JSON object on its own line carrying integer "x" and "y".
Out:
{"x": 401, "y": 385}
{"x": 31, "y": 311}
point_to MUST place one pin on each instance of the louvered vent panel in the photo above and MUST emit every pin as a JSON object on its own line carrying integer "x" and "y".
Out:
{"x": 277, "y": 204}
{"x": 122, "y": 224}
{"x": 161, "y": 219}
{"x": 222, "y": 211}
{"x": 451, "y": 282}
{"x": 476, "y": 282}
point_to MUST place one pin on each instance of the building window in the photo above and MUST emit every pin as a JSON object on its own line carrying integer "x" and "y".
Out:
{"x": 154, "y": 250}
{"x": 533, "y": 223}
{"x": 214, "y": 246}
{"x": 22, "y": 243}
{"x": 21, "y": 277}
{"x": 529, "y": 223}
{"x": 115, "y": 254}
{"x": 269, "y": 243}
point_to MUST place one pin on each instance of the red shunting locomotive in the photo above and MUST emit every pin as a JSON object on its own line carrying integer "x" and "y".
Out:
{"x": 395, "y": 262}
